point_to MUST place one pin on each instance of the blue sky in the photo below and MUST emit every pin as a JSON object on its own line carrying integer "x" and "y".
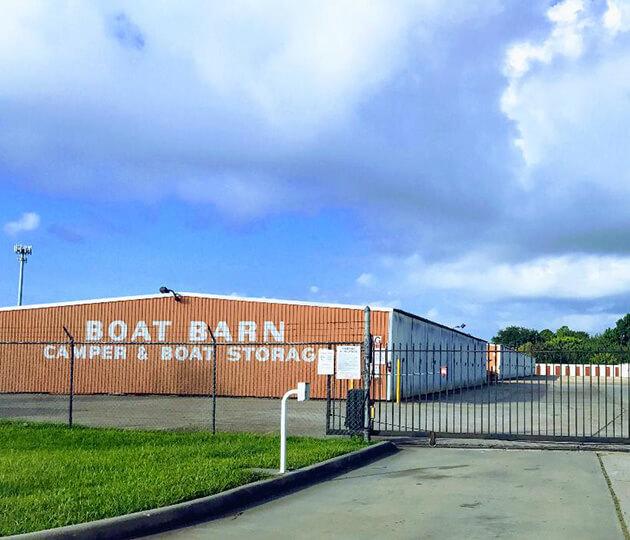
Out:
{"x": 467, "y": 161}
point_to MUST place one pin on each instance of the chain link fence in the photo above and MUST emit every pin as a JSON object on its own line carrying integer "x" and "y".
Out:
{"x": 237, "y": 386}
{"x": 217, "y": 387}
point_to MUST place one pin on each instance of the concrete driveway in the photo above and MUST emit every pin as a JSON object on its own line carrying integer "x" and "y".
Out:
{"x": 447, "y": 493}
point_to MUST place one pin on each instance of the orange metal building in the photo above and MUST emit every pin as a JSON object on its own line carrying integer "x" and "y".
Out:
{"x": 155, "y": 345}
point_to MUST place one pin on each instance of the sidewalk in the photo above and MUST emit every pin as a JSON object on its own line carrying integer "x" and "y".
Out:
{"x": 435, "y": 493}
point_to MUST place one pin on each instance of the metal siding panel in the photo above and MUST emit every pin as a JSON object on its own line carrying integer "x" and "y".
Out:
{"x": 411, "y": 331}
{"x": 30, "y": 372}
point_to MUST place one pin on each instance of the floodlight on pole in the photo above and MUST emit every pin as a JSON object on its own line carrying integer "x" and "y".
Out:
{"x": 22, "y": 252}
{"x": 166, "y": 290}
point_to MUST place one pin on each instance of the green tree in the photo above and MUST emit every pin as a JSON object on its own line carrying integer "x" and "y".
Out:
{"x": 565, "y": 350}
{"x": 606, "y": 340}
{"x": 546, "y": 335}
{"x": 565, "y": 332}
{"x": 515, "y": 336}
{"x": 604, "y": 358}
{"x": 612, "y": 346}
{"x": 622, "y": 331}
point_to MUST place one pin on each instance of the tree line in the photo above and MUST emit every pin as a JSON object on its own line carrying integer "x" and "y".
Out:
{"x": 564, "y": 345}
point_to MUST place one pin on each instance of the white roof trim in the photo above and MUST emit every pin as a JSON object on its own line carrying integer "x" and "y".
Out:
{"x": 193, "y": 295}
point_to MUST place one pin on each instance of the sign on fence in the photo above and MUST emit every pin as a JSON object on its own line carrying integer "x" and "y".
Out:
{"x": 348, "y": 362}
{"x": 326, "y": 362}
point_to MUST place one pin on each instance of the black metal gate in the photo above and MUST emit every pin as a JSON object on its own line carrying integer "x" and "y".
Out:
{"x": 346, "y": 400}
{"x": 494, "y": 392}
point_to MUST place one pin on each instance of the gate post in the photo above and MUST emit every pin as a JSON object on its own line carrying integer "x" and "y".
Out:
{"x": 366, "y": 375}
{"x": 214, "y": 380}
{"x": 328, "y": 404}
{"x": 71, "y": 338}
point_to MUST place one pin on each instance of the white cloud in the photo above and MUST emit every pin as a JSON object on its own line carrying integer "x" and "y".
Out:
{"x": 314, "y": 289}
{"x": 433, "y": 314}
{"x": 587, "y": 322}
{"x": 290, "y": 69}
{"x": 566, "y": 39}
{"x": 617, "y": 17}
{"x": 28, "y": 221}
{"x": 238, "y": 294}
{"x": 571, "y": 112}
{"x": 366, "y": 280}
{"x": 212, "y": 104}
{"x": 557, "y": 277}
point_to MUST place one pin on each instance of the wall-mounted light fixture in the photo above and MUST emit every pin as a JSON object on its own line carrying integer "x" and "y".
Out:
{"x": 166, "y": 290}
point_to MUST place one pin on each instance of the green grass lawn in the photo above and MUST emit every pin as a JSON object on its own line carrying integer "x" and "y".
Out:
{"x": 52, "y": 476}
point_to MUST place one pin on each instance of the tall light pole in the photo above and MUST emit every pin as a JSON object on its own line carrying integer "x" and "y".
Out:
{"x": 22, "y": 252}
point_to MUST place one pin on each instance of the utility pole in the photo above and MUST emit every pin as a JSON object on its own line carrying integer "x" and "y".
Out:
{"x": 22, "y": 252}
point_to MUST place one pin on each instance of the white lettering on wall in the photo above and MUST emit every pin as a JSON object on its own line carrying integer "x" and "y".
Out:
{"x": 223, "y": 331}
{"x": 247, "y": 331}
{"x": 276, "y": 333}
{"x": 93, "y": 330}
{"x": 117, "y": 330}
{"x": 141, "y": 331}
{"x": 233, "y": 355}
{"x": 277, "y": 354}
{"x": 264, "y": 354}
{"x": 162, "y": 326}
{"x": 181, "y": 353}
{"x": 197, "y": 331}
{"x": 248, "y": 353}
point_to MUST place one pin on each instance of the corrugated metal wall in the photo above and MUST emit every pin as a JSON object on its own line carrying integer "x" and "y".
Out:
{"x": 509, "y": 364}
{"x": 154, "y": 364}
{"x": 424, "y": 347}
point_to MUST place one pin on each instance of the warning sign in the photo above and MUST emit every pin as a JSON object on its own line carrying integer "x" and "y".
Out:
{"x": 326, "y": 362}
{"x": 348, "y": 362}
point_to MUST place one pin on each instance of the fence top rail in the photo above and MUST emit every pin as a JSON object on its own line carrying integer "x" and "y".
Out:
{"x": 505, "y": 352}
{"x": 189, "y": 343}
{"x": 401, "y": 349}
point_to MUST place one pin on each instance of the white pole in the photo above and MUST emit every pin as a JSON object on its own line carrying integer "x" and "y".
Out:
{"x": 283, "y": 430}
{"x": 22, "y": 252}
